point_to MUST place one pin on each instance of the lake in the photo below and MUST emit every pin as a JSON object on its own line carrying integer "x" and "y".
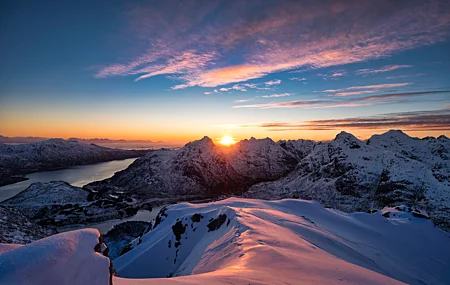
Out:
{"x": 77, "y": 176}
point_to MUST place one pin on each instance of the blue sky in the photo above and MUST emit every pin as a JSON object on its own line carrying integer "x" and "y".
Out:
{"x": 178, "y": 70}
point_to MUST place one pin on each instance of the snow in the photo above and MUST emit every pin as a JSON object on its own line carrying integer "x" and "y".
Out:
{"x": 17, "y": 160}
{"x": 201, "y": 168}
{"x": 388, "y": 169}
{"x": 347, "y": 174}
{"x": 17, "y": 228}
{"x": 56, "y": 151}
{"x": 287, "y": 242}
{"x": 247, "y": 241}
{"x": 67, "y": 258}
{"x": 5, "y": 247}
{"x": 46, "y": 194}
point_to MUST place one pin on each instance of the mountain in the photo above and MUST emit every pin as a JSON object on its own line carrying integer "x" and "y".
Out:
{"x": 17, "y": 160}
{"x": 115, "y": 143}
{"x": 201, "y": 169}
{"x": 17, "y": 140}
{"x": 57, "y": 204}
{"x": 16, "y": 228}
{"x": 345, "y": 173}
{"x": 388, "y": 169}
{"x": 246, "y": 241}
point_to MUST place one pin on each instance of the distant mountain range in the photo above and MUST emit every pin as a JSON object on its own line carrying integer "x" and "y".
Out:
{"x": 121, "y": 143}
{"x": 20, "y": 159}
{"x": 345, "y": 173}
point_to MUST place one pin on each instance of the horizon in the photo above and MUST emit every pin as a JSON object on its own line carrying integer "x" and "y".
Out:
{"x": 174, "y": 71}
{"x": 216, "y": 141}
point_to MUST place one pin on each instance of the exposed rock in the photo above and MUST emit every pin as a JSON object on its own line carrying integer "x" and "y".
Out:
{"x": 216, "y": 223}
{"x": 18, "y": 229}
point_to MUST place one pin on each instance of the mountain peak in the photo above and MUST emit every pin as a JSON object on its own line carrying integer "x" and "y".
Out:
{"x": 345, "y": 136}
{"x": 443, "y": 138}
{"x": 348, "y": 139}
{"x": 396, "y": 133}
{"x": 202, "y": 143}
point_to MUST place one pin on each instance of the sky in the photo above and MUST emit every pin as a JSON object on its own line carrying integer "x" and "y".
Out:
{"x": 180, "y": 70}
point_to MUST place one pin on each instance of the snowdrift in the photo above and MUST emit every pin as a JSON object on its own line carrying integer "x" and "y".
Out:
{"x": 72, "y": 258}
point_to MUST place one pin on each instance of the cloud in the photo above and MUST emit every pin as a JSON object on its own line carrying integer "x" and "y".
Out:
{"x": 379, "y": 86}
{"x": 234, "y": 87}
{"x": 273, "y": 82}
{"x": 385, "y": 68}
{"x": 364, "y": 89}
{"x": 380, "y": 99}
{"x": 211, "y": 92}
{"x": 301, "y": 79}
{"x": 243, "y": 100}
{"x": 438, "y": 120}
{"x": 306, "y": 104}
{"x": 215, "y": 43}
{"x": 277, "y": 95}
{"x": 348, "y": 93}
{"x": 239, "y": 87}
{"x": 333, "y": 75}
{"x": 405, "y": 76}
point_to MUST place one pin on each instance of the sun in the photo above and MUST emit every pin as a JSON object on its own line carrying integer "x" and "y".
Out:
{"x": 227, "y": 140}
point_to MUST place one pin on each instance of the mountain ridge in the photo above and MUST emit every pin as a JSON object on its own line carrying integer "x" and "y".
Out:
{"x": 345, "y": 173}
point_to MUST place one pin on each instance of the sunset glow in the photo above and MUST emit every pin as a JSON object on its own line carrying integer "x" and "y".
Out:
{"x": 227, "y": 140}
{"x": 278, "y": 69}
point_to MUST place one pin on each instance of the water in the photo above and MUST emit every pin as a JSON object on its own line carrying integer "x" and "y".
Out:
{"x": 77, "y": 176}
{"x": 104, "y": 227}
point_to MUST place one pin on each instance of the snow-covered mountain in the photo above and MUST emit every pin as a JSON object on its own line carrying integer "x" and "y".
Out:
{"x": 202, "y": 169}
{"x": 57, "y": 204}
{"x": 17, "y": 160}
{"x": 246, "y": 241}
{"x": 387, "y": 169}
{"x": 18, "y": 229}
{"x": 345, "y": 173}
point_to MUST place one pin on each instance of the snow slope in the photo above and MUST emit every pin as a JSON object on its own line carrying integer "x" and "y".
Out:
{"x": 388, "y": 169}
{"x": 244, "y": 241}
{"x": 72, "y": 258}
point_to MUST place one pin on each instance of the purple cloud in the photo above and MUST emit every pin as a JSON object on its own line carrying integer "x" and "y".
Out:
{"x": 438, "y": 120}
{"x": 196, "y": 42}
{"x": 380, "y": 99}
